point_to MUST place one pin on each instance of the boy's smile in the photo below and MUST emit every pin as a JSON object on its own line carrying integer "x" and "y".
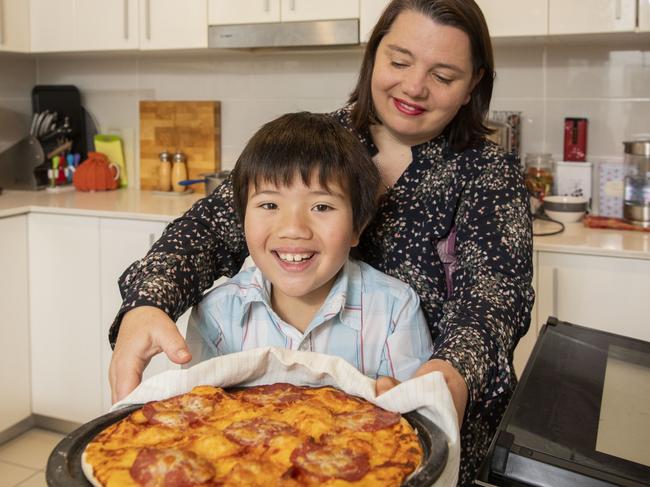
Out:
{"x": 300, "y": 237}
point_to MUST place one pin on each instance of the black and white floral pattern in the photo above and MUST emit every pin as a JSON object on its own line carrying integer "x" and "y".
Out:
{"x": 478, "y": 194}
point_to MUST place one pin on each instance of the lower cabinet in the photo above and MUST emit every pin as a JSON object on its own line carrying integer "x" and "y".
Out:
{"x": 605, "y": 293}
{"x": 64, "y": 316}
{"x": 14, "y": 322}
{"x": 527, "y": 342}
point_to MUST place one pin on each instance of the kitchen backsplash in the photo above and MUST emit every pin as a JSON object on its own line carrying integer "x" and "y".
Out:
{"x": 609, "y": 86}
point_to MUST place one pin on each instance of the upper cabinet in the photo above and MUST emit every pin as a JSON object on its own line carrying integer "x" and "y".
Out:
{"x": 105, "y": 25}
{"x": 592, "y": 16}
{"x": 369, "y": 13}
{"x": 173, "y": 24}
{"x": 224, "y": 12}
{"x": 84, "y": 25}
{"x": 516, "y": 18}
{"x": 14, "y": 25}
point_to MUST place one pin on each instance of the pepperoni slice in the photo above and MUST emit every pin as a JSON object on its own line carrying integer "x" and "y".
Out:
{"x": 277, "y": 394}
{"x": 329, "y": 461}
{"x": 178, "y": 411}
{"x": 373, "y": 419}
{"x": 257, "y": 431}
{"x": 170, "y": 468}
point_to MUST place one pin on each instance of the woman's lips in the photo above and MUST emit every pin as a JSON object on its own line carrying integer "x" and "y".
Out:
{"x": 407, "y": 108}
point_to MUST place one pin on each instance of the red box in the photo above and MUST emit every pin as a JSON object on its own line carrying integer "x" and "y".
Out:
{"x": 575, "y": 139}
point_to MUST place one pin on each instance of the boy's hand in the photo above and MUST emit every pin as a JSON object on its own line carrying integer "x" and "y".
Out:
{"x": 144, "y": 332}
{"x": 455, "y": 383}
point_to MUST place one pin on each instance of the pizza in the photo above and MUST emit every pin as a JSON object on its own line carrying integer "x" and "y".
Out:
{"x": 269, "y": 435}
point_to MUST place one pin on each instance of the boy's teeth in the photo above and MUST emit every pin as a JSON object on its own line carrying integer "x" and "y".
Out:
{"x": 294, "y": 257}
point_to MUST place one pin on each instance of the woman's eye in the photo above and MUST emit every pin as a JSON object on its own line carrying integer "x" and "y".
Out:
{"x": 442, "y": 79}
{"x": 398, "y": 65}
{"x": 322, "y": 207}
{"x": 268, "y": 206}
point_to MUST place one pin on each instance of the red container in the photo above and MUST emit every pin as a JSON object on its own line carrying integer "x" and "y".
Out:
{"x": 575, "y": 139}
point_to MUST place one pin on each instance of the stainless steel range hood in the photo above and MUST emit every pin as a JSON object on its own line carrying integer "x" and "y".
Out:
{"x": 285, "y": 34}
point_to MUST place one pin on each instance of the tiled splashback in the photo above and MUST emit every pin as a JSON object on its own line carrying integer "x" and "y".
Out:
{"x": 609, "y": 86}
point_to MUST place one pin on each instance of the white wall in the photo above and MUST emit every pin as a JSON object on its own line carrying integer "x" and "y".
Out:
{"x": 608, "y": 85}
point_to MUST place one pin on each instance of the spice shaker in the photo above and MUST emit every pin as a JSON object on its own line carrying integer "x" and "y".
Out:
{"x": 179, "y": 172}
{"x": 164, "y": 172}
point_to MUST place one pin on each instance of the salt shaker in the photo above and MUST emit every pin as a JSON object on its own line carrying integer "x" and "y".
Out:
{"x": 179, "y": 172}
{"x": 164, "y": 172}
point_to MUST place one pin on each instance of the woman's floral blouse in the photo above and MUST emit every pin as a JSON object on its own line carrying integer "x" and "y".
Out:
{"x": 478, "y": 195}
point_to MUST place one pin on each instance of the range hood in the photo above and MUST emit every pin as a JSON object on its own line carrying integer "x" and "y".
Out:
{"x": 285, "y": 34}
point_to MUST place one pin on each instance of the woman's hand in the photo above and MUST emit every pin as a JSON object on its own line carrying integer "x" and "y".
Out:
{"x": 455, "y": 383}
{"x": 144, "y": 332}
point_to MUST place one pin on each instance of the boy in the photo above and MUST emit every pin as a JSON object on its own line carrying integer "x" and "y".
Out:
{"x": 305, "y": 188}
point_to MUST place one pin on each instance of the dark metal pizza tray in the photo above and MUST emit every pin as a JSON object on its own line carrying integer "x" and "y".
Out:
{"x": 64, "y": 464}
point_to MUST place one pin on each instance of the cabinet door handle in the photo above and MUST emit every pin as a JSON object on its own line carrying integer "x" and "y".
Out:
{"x": 292, "y": 5}
{"x": 152, "y": 239}
{"x": 267, "y": 5}
{"x": 618, "y": 9}
{"x": 147, "y": 15}
{"x": 126, "y": 19}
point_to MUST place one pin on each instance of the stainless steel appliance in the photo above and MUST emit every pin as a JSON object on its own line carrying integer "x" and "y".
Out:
{"x": 636, "y": 203}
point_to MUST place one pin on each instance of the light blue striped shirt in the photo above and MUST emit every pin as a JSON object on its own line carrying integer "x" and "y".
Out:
{"x": 370, "y": 319}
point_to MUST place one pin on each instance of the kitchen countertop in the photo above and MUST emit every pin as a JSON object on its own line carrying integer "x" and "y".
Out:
{"x": 150, "y": 205}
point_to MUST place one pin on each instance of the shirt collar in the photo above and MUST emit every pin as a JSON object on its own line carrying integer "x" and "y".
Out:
{"x": 347, "y": 284}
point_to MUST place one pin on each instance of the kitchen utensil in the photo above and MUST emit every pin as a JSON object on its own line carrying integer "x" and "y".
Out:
{"x": 165, "y": 172}
{"x": 64, "y": 464}
{"x": 96, "y": 174}
{"x": 565, "y": 209}
{"x": 179, "y": 171}
{"x": 212, "y": 181}
{"x": 636, "y": 201}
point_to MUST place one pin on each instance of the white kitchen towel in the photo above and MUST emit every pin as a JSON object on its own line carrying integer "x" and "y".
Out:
{"x": 427, "y": 394}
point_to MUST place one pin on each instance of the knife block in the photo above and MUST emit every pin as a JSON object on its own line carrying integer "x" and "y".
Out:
{"x": 23, "y": 165}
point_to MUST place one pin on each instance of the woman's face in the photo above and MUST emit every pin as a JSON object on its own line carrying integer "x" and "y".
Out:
{"x": 421, "y": 78}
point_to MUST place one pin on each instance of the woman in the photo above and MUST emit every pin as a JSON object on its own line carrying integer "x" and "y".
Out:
{"x": 419, "y": 104}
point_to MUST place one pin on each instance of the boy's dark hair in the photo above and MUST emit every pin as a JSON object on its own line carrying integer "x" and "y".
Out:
{"x": 301, "y": 143}
{"x": 468, "y": 126}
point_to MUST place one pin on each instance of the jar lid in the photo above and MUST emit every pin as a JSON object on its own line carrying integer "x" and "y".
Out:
{"x": 637, "y": 147}
{"x": 164, "y": 156}
{"x": 539, "y": 158}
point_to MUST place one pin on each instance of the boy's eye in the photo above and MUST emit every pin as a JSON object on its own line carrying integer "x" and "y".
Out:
{"x": 322, "y": 207}
{"x": 268, "y": 206}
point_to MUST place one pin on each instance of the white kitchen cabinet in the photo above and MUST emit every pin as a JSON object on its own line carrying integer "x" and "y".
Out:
{"x": 104, "y": 25}
{"x": 644, "y": 15}
{"x": 224, "y": 12}
{"x": 302, "y": 10}
{"x": 605, "y": 293}
{"x": 14, "y": 25}
{"x": 84, "y": 25}
{"x": 170, "y": 24}
{"x": 591, "y": 16}
{"x": 14, "y": 322}
{"x": 516, "y": 18}
{"x": 122, "y": 242}
{"x": 64, "y": 316}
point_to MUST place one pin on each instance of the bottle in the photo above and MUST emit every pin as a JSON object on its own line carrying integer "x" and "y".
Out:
{"x": 179, "y": 172}
{"x": 164, "y": 172}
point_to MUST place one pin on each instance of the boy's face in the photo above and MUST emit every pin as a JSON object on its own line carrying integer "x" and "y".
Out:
{"x": 299, "y": 236}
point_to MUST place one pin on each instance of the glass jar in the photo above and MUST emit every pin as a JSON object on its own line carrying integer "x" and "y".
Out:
{"x": 636, "y": 204}
{"x": 538, "y": 176}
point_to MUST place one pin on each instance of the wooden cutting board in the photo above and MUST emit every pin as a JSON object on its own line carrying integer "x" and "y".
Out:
{"x": 193, "y": 127}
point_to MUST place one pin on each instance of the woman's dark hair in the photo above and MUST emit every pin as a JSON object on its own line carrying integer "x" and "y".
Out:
{"x": 468, "y": 124}
{"x": 301, "y": 143}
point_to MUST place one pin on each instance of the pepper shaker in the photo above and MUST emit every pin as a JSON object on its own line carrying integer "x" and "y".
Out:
{"x": 179, "y": 171}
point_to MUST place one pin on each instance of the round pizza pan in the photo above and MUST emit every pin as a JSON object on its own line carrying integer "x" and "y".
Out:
{"x": 64, "y": 464}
